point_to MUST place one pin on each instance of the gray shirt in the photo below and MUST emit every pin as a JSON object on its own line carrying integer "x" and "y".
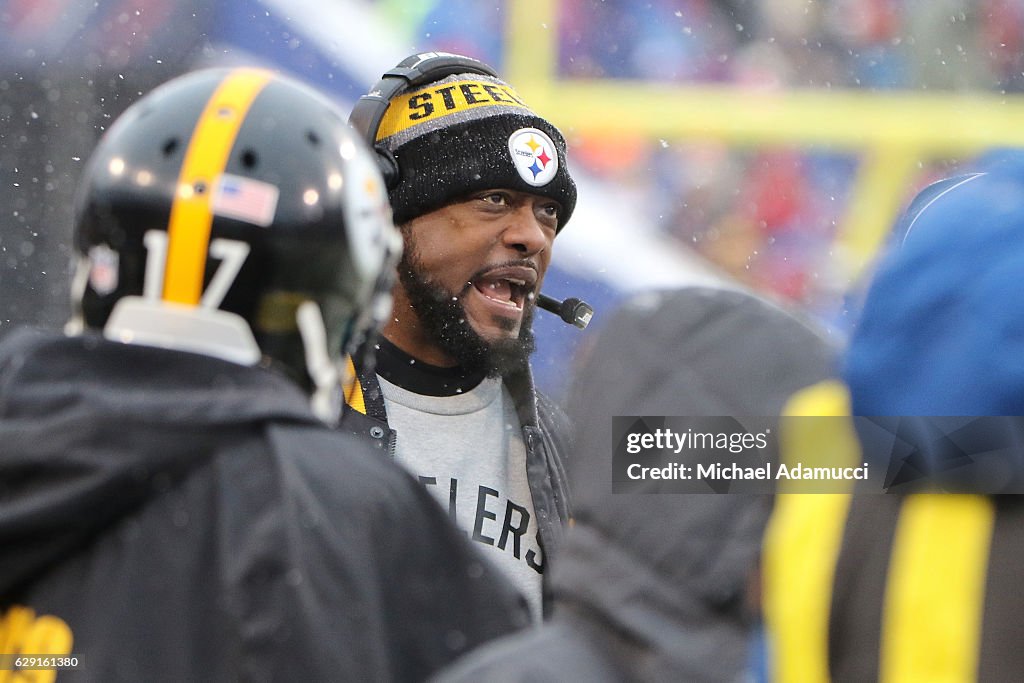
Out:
{"x": 468, "y": 450}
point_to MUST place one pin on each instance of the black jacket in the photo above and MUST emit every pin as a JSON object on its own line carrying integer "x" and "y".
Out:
{"x": 654, "y": 586}
{"x": 546, "y": 436}
{"x": 182, "y": 518}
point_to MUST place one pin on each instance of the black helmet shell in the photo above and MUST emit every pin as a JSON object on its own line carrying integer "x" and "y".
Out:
{"x": 247, "y": 159}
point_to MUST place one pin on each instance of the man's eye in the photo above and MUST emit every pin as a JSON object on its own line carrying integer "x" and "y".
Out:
{"x": 494, "y": 198}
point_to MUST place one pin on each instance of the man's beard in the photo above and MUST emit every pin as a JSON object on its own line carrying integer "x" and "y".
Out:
{"x": 443, "y": 317}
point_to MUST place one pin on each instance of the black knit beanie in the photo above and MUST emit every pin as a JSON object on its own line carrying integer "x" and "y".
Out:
{"x": 471, "y": 132}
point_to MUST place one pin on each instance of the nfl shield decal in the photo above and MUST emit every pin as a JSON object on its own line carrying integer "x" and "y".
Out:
{"x": 534, "y": 156}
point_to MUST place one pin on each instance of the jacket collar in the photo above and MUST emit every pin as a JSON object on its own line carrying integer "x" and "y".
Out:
{"x": 363, "y": 394}
{"x": 44, "y": 371}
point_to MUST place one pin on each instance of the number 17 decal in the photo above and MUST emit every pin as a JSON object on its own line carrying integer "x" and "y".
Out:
{"x": 231, "y": 253}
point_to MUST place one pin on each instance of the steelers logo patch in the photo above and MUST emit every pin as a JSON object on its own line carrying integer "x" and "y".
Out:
{"x": 534, "y": 156}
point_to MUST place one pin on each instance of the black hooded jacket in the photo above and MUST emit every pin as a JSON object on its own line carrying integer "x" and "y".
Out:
{"x": 654, "y": 586}
{"x": 170, "y": 516}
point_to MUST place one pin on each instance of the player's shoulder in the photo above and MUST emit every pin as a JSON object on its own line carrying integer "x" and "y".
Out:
{"x": 339, "y": 467}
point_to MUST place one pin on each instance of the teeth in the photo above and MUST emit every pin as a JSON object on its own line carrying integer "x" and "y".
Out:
{"x": 508, "y": 291}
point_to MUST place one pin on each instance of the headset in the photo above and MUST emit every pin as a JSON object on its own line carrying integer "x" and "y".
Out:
{"x": 421, "y": 69}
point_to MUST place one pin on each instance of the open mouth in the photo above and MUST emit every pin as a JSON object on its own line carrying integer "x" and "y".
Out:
{"x": 510, "y": 286}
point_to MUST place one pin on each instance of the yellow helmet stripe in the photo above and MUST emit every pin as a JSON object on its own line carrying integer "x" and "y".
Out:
{"x": 205, "y": 159}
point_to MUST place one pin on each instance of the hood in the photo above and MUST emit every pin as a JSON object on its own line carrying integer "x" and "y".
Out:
{"x": 91, "y": 429}
{"x": 935, "y": 365}
{"x": 942, "y": 328}
{"x": 695, "y": 352}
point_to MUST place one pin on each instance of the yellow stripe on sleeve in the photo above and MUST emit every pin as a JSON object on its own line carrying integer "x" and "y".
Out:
{"x": 803, "y": 539}
{"x": 932, "y": 614}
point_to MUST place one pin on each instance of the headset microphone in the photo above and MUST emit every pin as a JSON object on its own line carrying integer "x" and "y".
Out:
{"x": 572, "y": 310}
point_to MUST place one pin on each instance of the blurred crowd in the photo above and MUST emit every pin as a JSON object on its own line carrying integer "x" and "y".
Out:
{"x": 767, "y": 217}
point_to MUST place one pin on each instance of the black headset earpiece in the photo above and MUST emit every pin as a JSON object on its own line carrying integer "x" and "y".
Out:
{"x": 413, "y": 71}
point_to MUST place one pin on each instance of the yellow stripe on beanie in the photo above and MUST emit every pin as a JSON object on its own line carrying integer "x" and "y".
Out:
{"x": 443, "y": 99}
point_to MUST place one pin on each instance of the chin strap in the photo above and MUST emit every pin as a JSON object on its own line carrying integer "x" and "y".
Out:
{"x": 326, "y": 397}
{"x": 79, "y": 281}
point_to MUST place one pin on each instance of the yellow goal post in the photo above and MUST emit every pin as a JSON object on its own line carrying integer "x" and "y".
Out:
{"x": 893, "y": 132}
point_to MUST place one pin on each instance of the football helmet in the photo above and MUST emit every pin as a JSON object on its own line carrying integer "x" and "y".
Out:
{"x": 233, "y": 212}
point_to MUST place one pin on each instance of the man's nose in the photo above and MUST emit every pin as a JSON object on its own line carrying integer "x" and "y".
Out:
{"x": 525, "y": 233}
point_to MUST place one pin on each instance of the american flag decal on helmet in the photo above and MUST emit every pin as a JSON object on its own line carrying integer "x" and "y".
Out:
{"x": 244, "y": 199}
